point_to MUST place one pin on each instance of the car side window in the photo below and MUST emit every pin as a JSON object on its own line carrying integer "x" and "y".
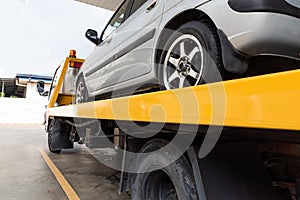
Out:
{"x": 136, "y": 5}
{"x": 118, "y": 18}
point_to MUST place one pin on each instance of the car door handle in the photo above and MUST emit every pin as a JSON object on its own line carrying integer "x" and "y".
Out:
{"x": 152, "y": 5}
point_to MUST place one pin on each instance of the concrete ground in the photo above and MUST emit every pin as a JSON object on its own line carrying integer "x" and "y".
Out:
{"x": 25, "y": 175}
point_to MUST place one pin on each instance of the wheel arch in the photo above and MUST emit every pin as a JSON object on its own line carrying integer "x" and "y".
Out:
{"x": 176, "y": 22}
{"x": 232, "y": 60}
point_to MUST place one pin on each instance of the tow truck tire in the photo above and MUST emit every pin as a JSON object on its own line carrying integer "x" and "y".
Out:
{"x": 172, "y": 182}
{"x": 50, "y": 134}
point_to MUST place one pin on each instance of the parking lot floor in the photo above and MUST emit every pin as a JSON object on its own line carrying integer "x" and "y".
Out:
{"x": 25, "y": 175}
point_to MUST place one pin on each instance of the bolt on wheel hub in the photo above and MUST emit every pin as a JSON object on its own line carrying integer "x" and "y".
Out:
{"x": 184, "y": 66}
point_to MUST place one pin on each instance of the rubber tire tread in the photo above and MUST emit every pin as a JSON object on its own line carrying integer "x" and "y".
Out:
{"x": 50, "y": 138}
{"x": 180, "y": 172}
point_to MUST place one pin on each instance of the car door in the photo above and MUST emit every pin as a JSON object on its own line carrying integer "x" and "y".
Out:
{"x": 103, "y": 54}
{"x": 135, "y": 41}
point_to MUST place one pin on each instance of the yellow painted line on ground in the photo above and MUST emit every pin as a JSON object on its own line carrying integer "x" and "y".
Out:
{"x": 71, "y": 194}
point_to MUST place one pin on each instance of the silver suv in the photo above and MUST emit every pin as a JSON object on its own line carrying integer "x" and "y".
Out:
{"x": 179, "y": 43}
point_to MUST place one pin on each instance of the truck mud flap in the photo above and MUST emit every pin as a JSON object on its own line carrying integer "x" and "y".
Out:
{"x": 61, "y": 136}
{"x": 231, "y": 172}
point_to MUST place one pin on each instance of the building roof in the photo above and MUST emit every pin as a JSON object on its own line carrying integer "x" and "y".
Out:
{"x": 34, "y": 77}
{"x": 106, "y": 4}
{"x": 16, "y": 86}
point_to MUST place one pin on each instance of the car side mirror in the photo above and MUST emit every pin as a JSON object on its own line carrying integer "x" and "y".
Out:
{"x": 40, "y": 86}
{"x": 92, "y": 35}
{"x": 41, "y": 89}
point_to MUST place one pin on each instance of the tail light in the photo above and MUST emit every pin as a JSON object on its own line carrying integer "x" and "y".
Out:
{"x": 76, "y": 65}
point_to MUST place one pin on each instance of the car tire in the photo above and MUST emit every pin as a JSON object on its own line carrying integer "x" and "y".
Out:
{"x": 50, "y": 134}
{"x": 191, "y": 56}
{"x": 174, "y": 181}
{"x": 81, "y": 94}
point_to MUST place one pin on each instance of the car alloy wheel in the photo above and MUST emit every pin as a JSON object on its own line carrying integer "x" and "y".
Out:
{"x": 81, "y": 92}
{"x": 190, "y": 55}
{"x": 184, "y": 61}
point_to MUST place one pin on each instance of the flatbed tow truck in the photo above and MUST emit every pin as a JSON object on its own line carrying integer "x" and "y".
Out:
{"x": 236, "y": 139}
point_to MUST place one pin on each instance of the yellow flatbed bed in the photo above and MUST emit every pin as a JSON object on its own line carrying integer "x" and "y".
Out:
{"x": 267, "y": 102}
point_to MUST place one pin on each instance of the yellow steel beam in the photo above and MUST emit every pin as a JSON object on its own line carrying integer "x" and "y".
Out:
{"x": 63, "y": 99}
{"x": 56, "y": 90}
{"x": 269, "y": 101}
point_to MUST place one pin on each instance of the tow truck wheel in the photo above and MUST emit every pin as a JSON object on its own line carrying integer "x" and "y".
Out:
{"x": 81, "y": 91}
{"x": 171, "y": 182}
{"x": 191, "y": 54}
{"x": 50, "y": 133}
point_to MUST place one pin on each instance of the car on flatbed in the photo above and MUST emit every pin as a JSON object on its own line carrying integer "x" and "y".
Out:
{"x": 174, "y": 44}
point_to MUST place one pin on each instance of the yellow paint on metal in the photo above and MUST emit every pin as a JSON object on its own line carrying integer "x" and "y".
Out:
{"x": 268, "y": 101}
{"x": 64, "y": 99}
{"x": 67, "y": 188}
{"x": 56, "y": 90}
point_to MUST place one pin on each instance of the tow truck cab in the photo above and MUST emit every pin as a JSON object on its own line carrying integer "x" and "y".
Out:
{"x": 62, "y": 89}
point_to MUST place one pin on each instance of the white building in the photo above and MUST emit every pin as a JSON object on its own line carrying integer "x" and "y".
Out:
{"x": 29, "y": 83}
{"x": 29, "y": 106}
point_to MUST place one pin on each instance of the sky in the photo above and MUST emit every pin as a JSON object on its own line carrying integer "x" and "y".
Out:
{"x": 36, "y": 35}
